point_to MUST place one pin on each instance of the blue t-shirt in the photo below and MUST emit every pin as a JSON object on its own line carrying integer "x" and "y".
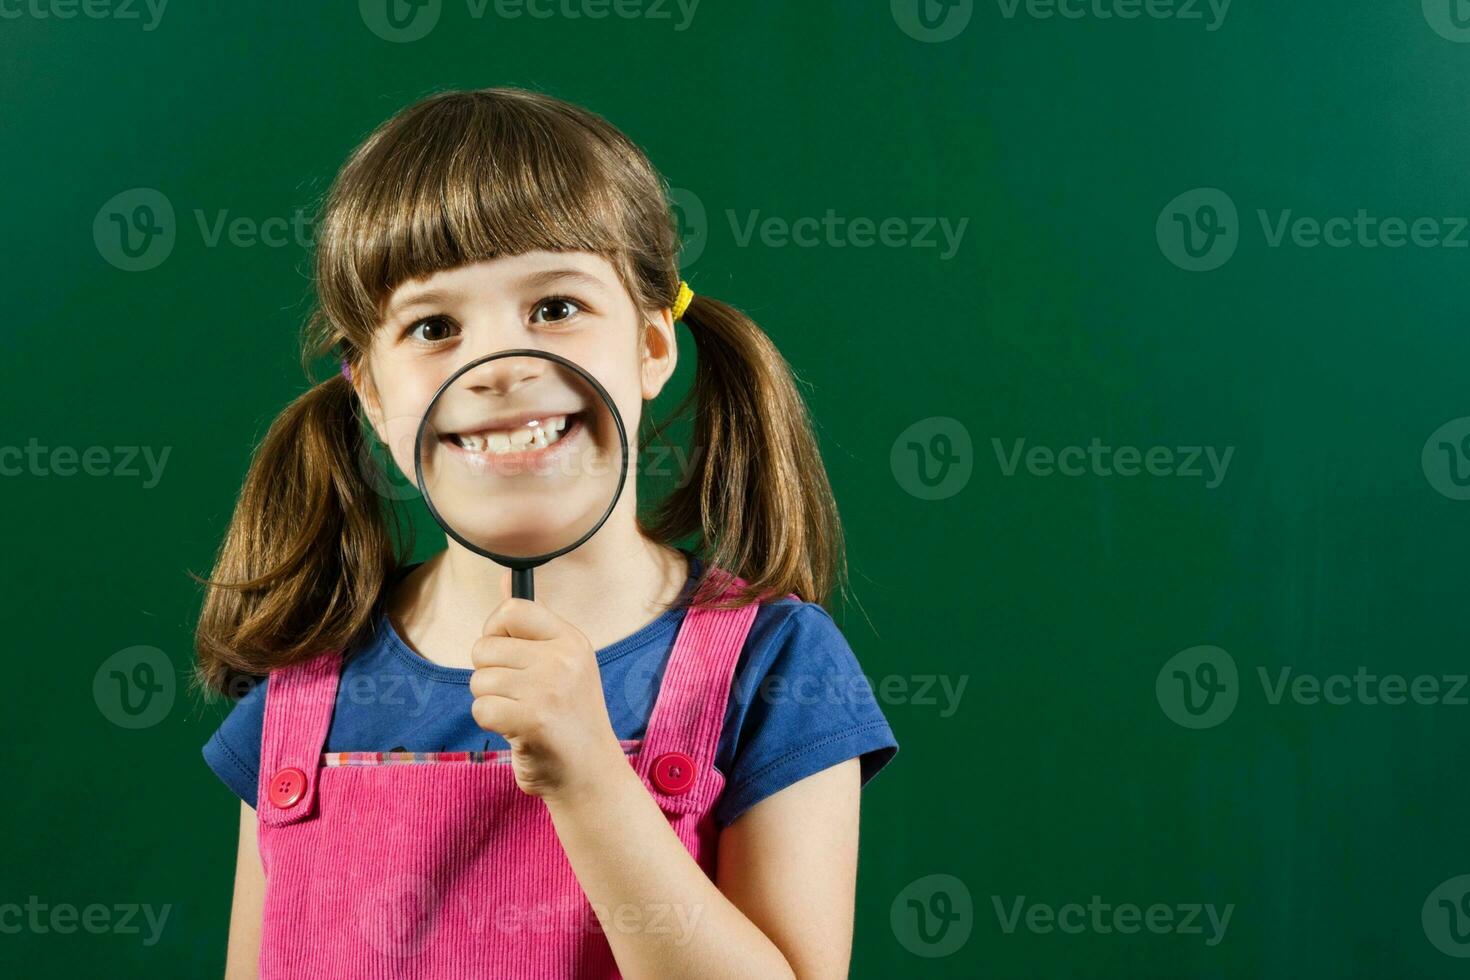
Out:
{"x": 798, "y": 704}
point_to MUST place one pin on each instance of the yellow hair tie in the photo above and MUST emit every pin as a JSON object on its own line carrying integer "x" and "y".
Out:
{"x": 686, "y": 296}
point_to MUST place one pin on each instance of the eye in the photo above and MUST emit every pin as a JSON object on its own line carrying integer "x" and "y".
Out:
{"x": 560, "y": 308}
{"x": 434, "y": 330}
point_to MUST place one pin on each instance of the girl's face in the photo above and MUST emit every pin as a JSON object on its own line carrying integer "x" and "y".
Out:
{"x": 521, "y": 456}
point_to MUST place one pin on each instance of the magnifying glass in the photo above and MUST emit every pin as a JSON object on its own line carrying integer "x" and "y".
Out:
{"x": 527, "y": 456}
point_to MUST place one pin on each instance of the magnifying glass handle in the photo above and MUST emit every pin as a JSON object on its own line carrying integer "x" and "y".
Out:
{"x": 521, "y": 586}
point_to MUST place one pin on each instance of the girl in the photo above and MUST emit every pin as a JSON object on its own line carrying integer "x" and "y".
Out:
{"x": 650, "y": 771}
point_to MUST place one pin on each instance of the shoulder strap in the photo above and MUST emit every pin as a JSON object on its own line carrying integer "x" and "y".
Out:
{"x": 689, "y": 715}
{"x": 298, "y": 712}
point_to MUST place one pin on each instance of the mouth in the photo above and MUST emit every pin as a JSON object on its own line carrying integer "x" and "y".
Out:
{"x": 528, "y": 440}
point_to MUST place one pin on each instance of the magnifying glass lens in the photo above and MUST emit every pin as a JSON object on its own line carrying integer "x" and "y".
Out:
{"x": 521, "y": 456}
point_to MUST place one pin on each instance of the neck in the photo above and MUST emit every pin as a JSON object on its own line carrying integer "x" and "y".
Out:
{"x": 611, "y": 586}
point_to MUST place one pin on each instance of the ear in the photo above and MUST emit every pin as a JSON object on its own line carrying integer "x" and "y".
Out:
{"x": 659, "y": 352}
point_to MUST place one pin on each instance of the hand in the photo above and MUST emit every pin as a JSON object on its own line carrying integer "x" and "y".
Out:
{"x": 536, "y": 682}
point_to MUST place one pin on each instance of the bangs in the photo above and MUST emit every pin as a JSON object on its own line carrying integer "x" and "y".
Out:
{"x": 459, "y": 181}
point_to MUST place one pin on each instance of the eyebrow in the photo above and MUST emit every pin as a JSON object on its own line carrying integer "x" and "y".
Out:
{"x": 533, "y": 280}
{"x": 426, "y": 298}
{"x": 548, "y": 276}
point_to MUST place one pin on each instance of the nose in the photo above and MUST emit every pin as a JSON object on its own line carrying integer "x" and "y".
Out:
{"x": 503, "y": 375}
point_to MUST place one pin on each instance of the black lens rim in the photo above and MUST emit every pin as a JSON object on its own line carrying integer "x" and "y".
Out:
{"x": 418, "y": 458}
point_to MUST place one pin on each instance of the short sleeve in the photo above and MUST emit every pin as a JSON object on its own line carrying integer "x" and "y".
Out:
{"x": 233, "y": 752}
{"x": 799, "y": 703}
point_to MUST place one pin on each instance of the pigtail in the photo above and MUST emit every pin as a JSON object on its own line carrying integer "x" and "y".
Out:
{"x": 758, "y": 494}
{"x": 308, "y": 549}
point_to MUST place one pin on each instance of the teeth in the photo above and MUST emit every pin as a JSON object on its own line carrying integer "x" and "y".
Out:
{"x": 536, "y": 434}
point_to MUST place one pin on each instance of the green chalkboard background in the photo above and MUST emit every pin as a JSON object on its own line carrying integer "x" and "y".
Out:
{"x": 1131, "y": 277}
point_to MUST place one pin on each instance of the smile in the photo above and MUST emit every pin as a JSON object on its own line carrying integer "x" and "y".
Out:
{"x": 528, "y": 442}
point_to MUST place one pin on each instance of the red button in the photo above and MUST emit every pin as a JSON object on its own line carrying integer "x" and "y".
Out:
{"x": 673, "y": 773}
{"x": 287, "y": 786}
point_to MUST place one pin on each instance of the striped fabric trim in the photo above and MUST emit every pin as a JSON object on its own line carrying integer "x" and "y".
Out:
{"x": 629, "y": 746}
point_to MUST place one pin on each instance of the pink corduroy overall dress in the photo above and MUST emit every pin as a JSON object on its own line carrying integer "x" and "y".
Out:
{"x": 446, "y": 868}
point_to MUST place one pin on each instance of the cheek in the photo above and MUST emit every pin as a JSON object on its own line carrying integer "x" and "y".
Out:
{"x": 403, "y": 406}
{"x": 398, "y": 435}
{"x": 624, "y": 383}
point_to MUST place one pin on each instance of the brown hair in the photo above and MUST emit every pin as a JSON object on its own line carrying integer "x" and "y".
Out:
{"x": 462, "y": 177}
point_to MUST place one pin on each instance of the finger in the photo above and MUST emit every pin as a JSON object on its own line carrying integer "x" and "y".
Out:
{"x": 524, "y": 619}
{"x": 500, "y": 681}
{"x": 504, "y": 651}
{"x": 498, "y": 714}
